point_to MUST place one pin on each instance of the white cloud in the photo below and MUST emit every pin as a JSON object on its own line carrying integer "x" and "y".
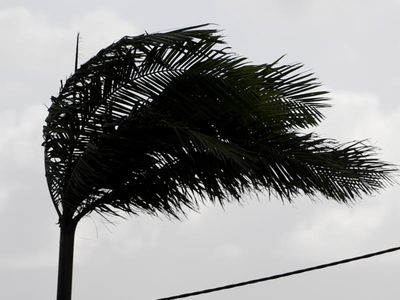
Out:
{"x": 21, "y": 153}
{"x": 359, "y": 116}
{"x": 44, "y": 53}
{"x": 228, "y": 251}
{"x": 337, "y": 228}
{"x": 4, "y": 194}
{"x": 21, "y": 135}
{"x": 35, "y": 38}
{"x": 30, "y": 260}
{"x": 124, "y": 237}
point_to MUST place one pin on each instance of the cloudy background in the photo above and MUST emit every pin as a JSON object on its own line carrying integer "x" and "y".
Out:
{"x": 352, "y": 46}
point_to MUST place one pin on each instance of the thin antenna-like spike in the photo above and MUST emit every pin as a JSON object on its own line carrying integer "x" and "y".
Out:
{"x": 76, "y": 52}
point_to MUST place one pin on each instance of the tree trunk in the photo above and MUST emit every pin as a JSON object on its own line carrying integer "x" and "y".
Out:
{"x": 65, "y": 261}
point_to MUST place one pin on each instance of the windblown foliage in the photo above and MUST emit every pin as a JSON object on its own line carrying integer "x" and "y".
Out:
{"x": 156, "y": 122}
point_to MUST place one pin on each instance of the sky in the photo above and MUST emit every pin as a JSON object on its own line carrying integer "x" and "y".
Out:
{"x": 351, "y": 46}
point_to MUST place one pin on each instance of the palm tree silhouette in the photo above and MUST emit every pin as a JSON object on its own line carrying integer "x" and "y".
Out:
{"x": 160, "y": 122}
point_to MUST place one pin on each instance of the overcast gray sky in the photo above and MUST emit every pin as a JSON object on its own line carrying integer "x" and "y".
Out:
{"x": 352, "y": 46}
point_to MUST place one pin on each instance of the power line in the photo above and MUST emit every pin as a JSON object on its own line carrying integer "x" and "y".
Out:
{"x": 234, "y": 285}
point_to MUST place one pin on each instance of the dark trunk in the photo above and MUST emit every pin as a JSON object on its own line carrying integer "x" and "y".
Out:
{"x": 65, "y": 262}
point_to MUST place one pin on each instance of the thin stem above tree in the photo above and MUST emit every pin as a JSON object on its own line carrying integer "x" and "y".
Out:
{"x": 160, "y": 122}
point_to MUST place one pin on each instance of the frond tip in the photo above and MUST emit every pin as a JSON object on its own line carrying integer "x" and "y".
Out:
{"x": 153, "y": 123}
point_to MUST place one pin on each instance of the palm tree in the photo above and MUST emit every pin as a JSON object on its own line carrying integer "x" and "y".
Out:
{"x": 160, "y": 122}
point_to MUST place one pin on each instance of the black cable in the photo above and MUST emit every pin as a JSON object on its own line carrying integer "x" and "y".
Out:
{"x": 234, "y": 285}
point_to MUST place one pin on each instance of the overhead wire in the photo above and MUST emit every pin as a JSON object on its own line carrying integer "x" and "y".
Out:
{"x": 273, "y": 277}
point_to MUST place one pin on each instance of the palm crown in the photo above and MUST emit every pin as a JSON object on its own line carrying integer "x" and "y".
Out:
{"x": 154, "y": 123}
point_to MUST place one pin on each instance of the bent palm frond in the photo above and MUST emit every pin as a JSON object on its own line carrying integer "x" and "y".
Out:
{"x": 156, "y": 122}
